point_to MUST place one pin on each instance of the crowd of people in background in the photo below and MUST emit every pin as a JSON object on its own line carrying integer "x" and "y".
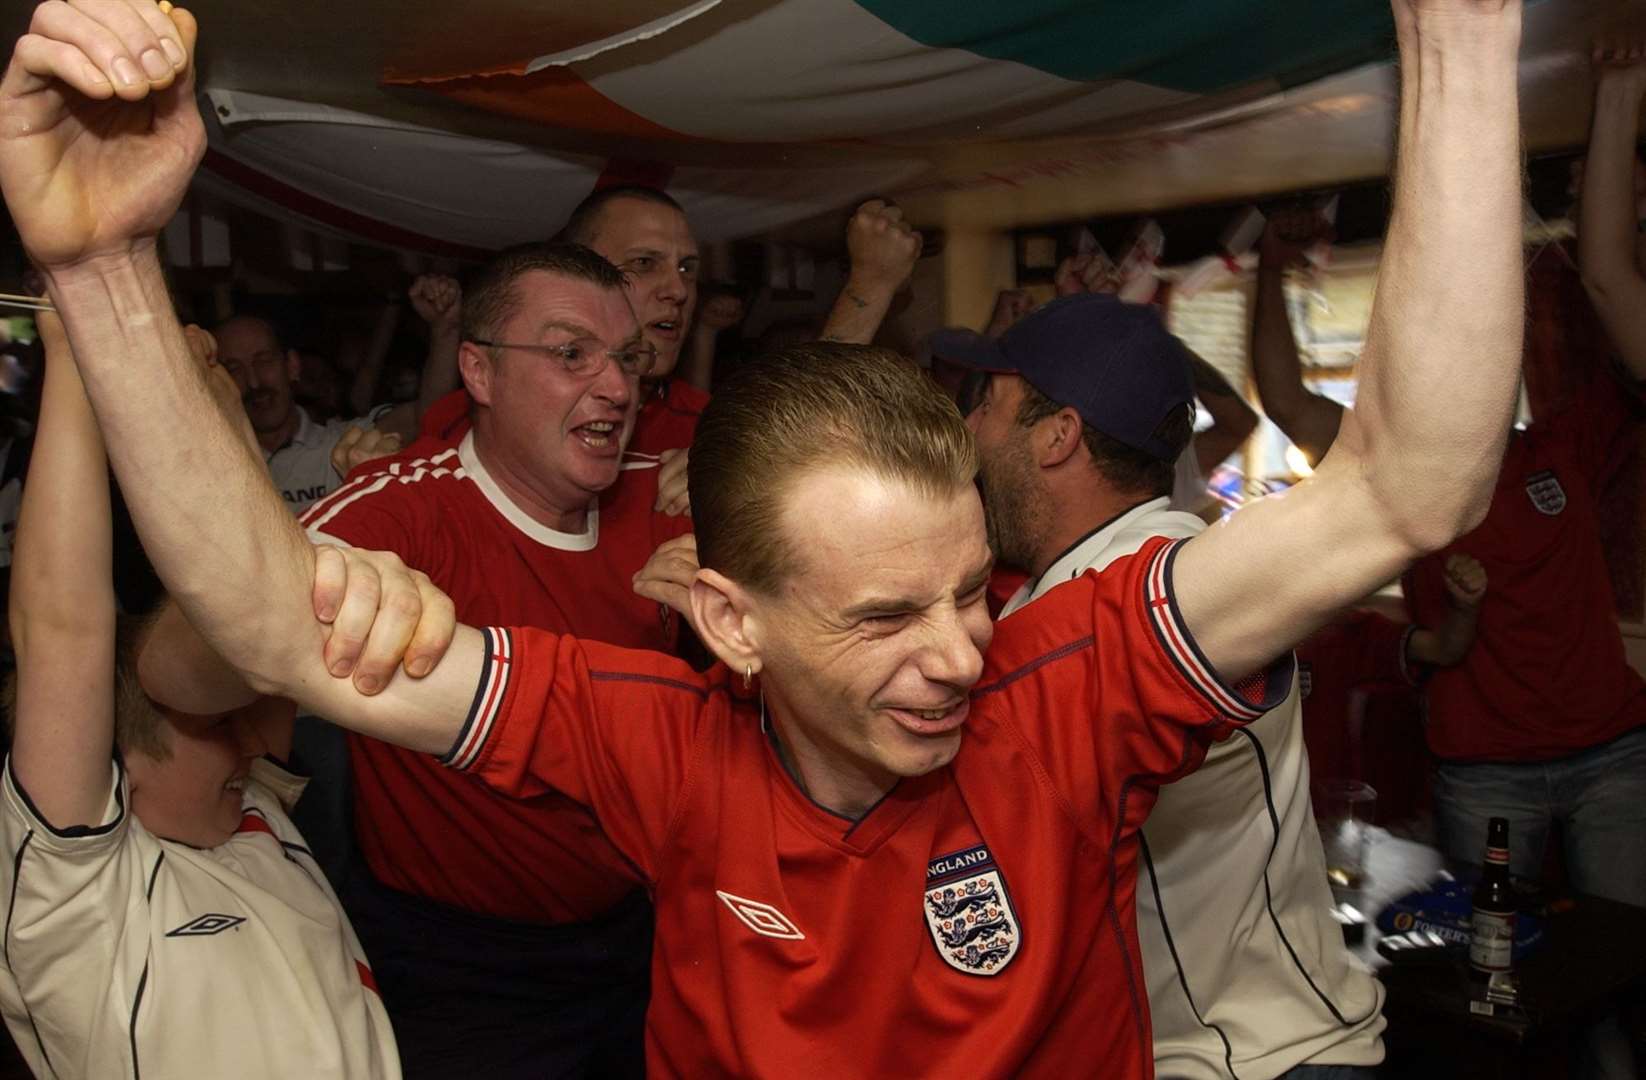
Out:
{"x": 827, "y": 715}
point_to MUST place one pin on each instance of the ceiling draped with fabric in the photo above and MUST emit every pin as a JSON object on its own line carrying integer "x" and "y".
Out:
{"x": 458, "y": 129}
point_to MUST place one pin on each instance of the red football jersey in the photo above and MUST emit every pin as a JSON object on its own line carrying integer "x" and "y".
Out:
{"x": 423, "y": 829}
{"x": 1004, "y": 581}
{"x": 667, "y": 419}
{"x": 1547, "y": 676}
{"x": 447, "y": 418}
{"x": 1360, "y": 651}
{"x": 978, "y": 921}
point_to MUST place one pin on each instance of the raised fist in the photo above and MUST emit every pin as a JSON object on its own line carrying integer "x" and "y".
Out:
{"x": 1010, "y": 306}
{"x": 719, "y": 312}
{"x": 1465, "y": 580}
{"x": 1289, "y": 233}
{"x": 438, "y": 300}
{"x": 1086, "y": 272}
{"x": 99, "y": 131}
{"x": 882, "y": 245}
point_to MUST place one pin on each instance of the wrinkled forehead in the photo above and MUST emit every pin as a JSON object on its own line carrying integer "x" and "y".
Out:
{"x": 547, "y": 304}
{"x": 857, "y": 535}
{"x": 245, "y": 336}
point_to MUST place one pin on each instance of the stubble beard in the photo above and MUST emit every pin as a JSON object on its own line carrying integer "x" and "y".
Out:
{"x": 1013, "y": 511}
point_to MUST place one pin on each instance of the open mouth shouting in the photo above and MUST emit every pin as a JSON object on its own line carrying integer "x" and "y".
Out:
{"x": 599, "y": 435}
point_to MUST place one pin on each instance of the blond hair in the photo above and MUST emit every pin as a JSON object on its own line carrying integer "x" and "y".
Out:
{"x": 807, "y": 407}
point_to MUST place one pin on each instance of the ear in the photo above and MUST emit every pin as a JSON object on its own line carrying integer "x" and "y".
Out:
{"x": 475, "y": 365}
{"x": 1055, "y": 439}
{"x": 138, "y": 768}
{"x": 294, "y": 365}
{"x": 724, "y": 617}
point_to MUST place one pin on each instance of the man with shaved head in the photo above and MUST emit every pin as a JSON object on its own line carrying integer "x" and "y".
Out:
{"x": 645, "y": 234}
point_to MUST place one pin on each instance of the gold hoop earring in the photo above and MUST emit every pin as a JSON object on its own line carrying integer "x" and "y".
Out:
{"x": 748, "y": 676}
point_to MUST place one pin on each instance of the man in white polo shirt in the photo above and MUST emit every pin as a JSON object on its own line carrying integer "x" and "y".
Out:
{"x": 302, "y": 453}
{"x": 1088, "y": 404}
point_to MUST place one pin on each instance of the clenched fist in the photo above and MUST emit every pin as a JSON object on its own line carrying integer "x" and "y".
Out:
{"x": 1465, "y": 580}
{"x": 883, "y": 247}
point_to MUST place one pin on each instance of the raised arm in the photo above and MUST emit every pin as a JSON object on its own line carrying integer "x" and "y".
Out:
{"x": 1447, "y": 642}
{"x": 62, "y": 604}
{"x": 1233, "y": 421}
{"x": 1307, "y": 418}
{"x": 716, "y": 314}
{"x": 883, "y": 251}
{"x": 1607, "y": 213}
{"x": 438, "y": 300}
{"x": 1415, "y": 462}
{"x": 94, "y": 158}
{"x": 370, "y": 367}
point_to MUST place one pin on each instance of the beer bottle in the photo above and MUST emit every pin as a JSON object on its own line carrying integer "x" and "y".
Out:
{"x": 1491, "y": 942}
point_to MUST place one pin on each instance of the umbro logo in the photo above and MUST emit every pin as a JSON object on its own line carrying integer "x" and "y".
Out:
{"x": 206, "y": 926}
{"x": 763, "y": 919}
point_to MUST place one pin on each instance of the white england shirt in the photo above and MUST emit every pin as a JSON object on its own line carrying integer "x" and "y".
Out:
{"x": 302, "y": 468}
{"x": 127, "y": 955}
{"x": 1234, "y": 882}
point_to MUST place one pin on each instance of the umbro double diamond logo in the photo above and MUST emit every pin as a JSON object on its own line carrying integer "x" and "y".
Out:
{"x": 206, "y": 926}
{"x": 763, "y": 919}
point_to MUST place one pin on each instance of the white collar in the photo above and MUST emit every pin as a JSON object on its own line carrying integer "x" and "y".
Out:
{"x": 1083, "y": 553}
{"x": 474, "y": 470}
{"x": 307, "y": 432}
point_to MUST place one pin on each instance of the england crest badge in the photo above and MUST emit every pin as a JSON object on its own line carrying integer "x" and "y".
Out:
{"x": 1546, "y": 493}
{"x": 969, "y": 912}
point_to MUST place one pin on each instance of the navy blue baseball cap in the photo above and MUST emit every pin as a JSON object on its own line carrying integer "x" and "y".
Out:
{"x": 1114, "y": 363}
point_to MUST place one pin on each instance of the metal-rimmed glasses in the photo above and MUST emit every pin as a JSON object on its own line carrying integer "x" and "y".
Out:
{"x": 586, "y": 357}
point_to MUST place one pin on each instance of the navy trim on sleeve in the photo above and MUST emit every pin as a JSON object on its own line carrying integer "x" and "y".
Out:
{"x": 75, "y": 832}
{"x": 488, "y": 699}
{"x": 1180, "y": 646}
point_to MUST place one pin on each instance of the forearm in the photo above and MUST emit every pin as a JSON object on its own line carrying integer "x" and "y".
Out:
{"x": 179, "y": 669}
{"x": 1607, "y": 226}
{"x": 63, "y": 609}
{"x": 1232, "y": 419}
{"x": 440, "y": 374}
{"x": 235, "y": 560}
{"x": 231, "y": 554}
{"x": 62, "y": 567}
{"x": 1446, "y": 643}
{"x": 858, "y": 312}
{"x": 1414, "y": 465}
{"x": 1308, "y": 419}
{"x": 371, "y": 364}
{"x": 1441, "y": 364}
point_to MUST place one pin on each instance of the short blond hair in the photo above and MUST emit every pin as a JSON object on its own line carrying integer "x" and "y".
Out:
{"x": 806, "y": 407}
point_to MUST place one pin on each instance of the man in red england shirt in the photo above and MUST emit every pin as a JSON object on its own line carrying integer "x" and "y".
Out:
{"x": 645, "y": 234}
{"x": 511, "y": 937}
{"x": 892, "y": 854}
{"x": 516, "y": 921}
